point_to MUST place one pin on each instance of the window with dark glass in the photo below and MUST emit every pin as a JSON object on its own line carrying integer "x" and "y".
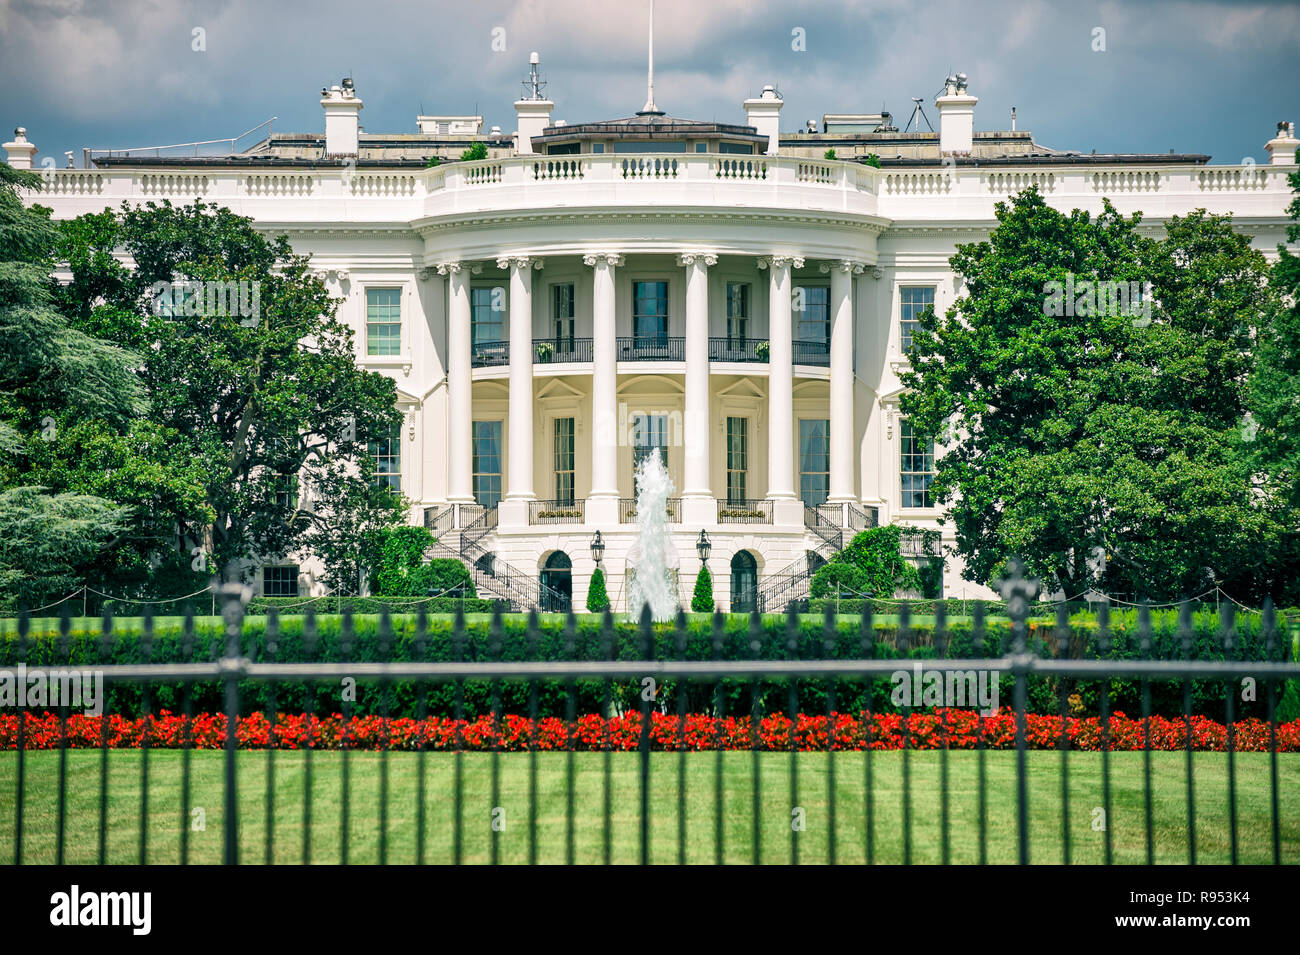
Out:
{"x": 737, "y": 311}
{"x": 650, "y": 313}
{"x": 280, "y": 581}
{"x": 487, "y": 315}
{"x": 486, "y": 464}
{"x": 813, "y": 319}
{"x": 914, "y": 299}
{"x": 916, "y": 467}
{"x": 383, "y": 321}
{"x": 737, "y": 458}
{"x": 386, "y": 452}
{"x": 564, "y": 469}
{"x": 814, "y": 461}
{"x": 649, "y": 434}
{"x": 562, "y": 312}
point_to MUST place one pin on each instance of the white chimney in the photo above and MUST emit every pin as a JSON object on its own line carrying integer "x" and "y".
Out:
{"x": 956, "y": 117}
{"x": 20, "y": 150}
{"x": 533, "y": 112}
{"x": 342, "y": 119}
{"x": 764, "y": 114}
{"x": 1281, "y": 149}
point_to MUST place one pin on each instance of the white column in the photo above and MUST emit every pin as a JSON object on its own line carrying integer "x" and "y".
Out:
{"x": 841, "y": 404}
{"x": 459, "y": 405}
{"x": 780, "y": 382}
{"x": 519, "y": 469}
{"x": 696, "y": 472}
{"x": 604, "y": 385}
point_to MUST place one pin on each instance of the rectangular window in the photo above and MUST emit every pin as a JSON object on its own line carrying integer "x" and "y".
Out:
{"x": 737, "y": 311}
{"x": 813, "y": 314}
{"x": 650, "y": 313}
{"x": 597, "y": 147}
{"x": 286, "y": 491}
{"x": 737, "y": 458}
{"x": 649, "y": 434}
{"x": 814, "y": 461}
{"x": 916, "y": 467}
{"x": 487, "y": 463}
{"x": 743, "y": 149}
{"x": 387, "y": 455}
{"x": 383, "y": 321}
{"x": 564, "y": 461}
{"x": 562, "y": 312}
{"x": 280, "y": 581}
{"x": 914, "y": 299}
{"x": 487, "y": 315}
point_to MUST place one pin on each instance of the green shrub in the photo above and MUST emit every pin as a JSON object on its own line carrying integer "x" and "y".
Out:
{"x": 597, "y": 598}
{"x": 474, "y": 153}
{"x": 838, "y": 580}
{"x": 702, "y": 599}
{"x": 871, "y": 159}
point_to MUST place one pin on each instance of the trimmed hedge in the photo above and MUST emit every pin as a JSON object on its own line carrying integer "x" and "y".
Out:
{"x": 510, "y": 641}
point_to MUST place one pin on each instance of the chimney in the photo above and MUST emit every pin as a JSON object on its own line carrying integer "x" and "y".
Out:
{"x": 342, "y": 116}
{"x": 1281, "y": 149}
{"x": 20, "y": 150}
{"x": 956, "y": 117}
{"x": 764, "y": 114}
{"x": 533, "y": 111}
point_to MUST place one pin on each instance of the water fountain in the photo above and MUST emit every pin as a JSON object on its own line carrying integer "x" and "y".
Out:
{"x": 653, "y": 552}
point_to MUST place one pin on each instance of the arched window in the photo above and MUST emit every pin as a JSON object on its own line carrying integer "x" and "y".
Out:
{"x": 557, "y": 583}
{"x": 744, "y": 582}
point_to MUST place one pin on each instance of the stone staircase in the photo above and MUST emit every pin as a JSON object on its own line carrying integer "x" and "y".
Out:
{"x": 827, "y": 525}
{"x": 493, "y": 578}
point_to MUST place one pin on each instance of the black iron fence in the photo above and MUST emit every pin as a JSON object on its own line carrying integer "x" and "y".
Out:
{"x": 753, "y": 739}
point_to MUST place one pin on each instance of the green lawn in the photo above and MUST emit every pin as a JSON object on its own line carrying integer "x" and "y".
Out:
{"x": 1127, "y": 829}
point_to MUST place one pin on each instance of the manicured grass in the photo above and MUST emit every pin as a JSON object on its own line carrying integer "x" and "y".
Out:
{"x": 366, "y": 770}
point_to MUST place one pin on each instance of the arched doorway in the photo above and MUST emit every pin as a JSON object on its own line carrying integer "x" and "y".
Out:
{"x": 557, "y": 577}
{"x": 744, "y": 582}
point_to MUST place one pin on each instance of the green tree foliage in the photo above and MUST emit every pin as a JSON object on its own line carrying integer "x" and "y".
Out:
{"x": 1104, "y": 448}
{"x": 265, "y": 404}
{"x": 873, "y": 564}
{"x": 402, "y": 571}
{"x": 597, "y": 597}
{"x": 1274, "y": 430}
{"x": 702, "y": 599}
{"x": 475, "y": 152}
{"x": 73, "y": 492}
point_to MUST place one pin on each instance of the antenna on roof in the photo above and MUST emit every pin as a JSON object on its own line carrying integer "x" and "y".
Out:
{"x": 534, "y": 85}
{"x": 650, "y": 106}
{"x": 918, "y": 114}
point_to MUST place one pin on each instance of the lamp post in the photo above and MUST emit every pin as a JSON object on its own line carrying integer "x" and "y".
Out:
{"x": 704, "y": 547}
{"x": 597, "y": 548}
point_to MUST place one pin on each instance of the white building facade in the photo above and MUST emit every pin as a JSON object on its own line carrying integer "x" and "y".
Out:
{"x": 590, "y": 294}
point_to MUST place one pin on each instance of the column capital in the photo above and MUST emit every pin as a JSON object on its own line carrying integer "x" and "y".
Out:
{"x": 453, "y": 268}
{"x": 852, "y": 266}
{"x": 612, "y": 259}
{"x": 519, "y": 261}
{"x": 707, "y": 259}
{"x": 780, "y": 261}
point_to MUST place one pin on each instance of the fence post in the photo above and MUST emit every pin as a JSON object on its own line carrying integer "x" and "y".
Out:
{"x": 234, "y": 599}
{"x": 1018, "y": 592}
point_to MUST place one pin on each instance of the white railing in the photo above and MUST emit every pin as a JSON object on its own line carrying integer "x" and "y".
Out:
{"x": 644, "y": 180}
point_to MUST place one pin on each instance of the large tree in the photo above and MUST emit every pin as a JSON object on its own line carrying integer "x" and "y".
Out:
{"x": 1275, "y": 409}
{"x": 268, "y": 403}
{"x": 53, "y": 378}
{"x": 1102, "y": 444}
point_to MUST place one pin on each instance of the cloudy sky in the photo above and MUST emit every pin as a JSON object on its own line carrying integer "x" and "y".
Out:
{"x": 1211, "y": 77}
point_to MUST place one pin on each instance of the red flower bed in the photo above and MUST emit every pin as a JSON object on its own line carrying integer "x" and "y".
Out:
{"x": 959, "y": 729}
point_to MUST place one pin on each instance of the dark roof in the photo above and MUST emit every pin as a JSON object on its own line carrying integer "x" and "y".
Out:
{"x": 1058, "y": 159}
{"x": 650, "y": 126}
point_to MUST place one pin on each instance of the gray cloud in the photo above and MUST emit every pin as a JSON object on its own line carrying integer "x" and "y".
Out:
{"x": 1194, "y": 76}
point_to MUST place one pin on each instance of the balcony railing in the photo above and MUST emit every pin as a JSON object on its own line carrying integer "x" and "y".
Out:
{"x": 627, "y": 510}
{"x": 555, "y": 350}
{"x": 748, "y": 511}
{"x": 487, "y": 354}
{"x": 651, "y": 348}
{"x": 738, "y": 349}
{"x": 557, "y": 512}
{"x": 812, "y": 353}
